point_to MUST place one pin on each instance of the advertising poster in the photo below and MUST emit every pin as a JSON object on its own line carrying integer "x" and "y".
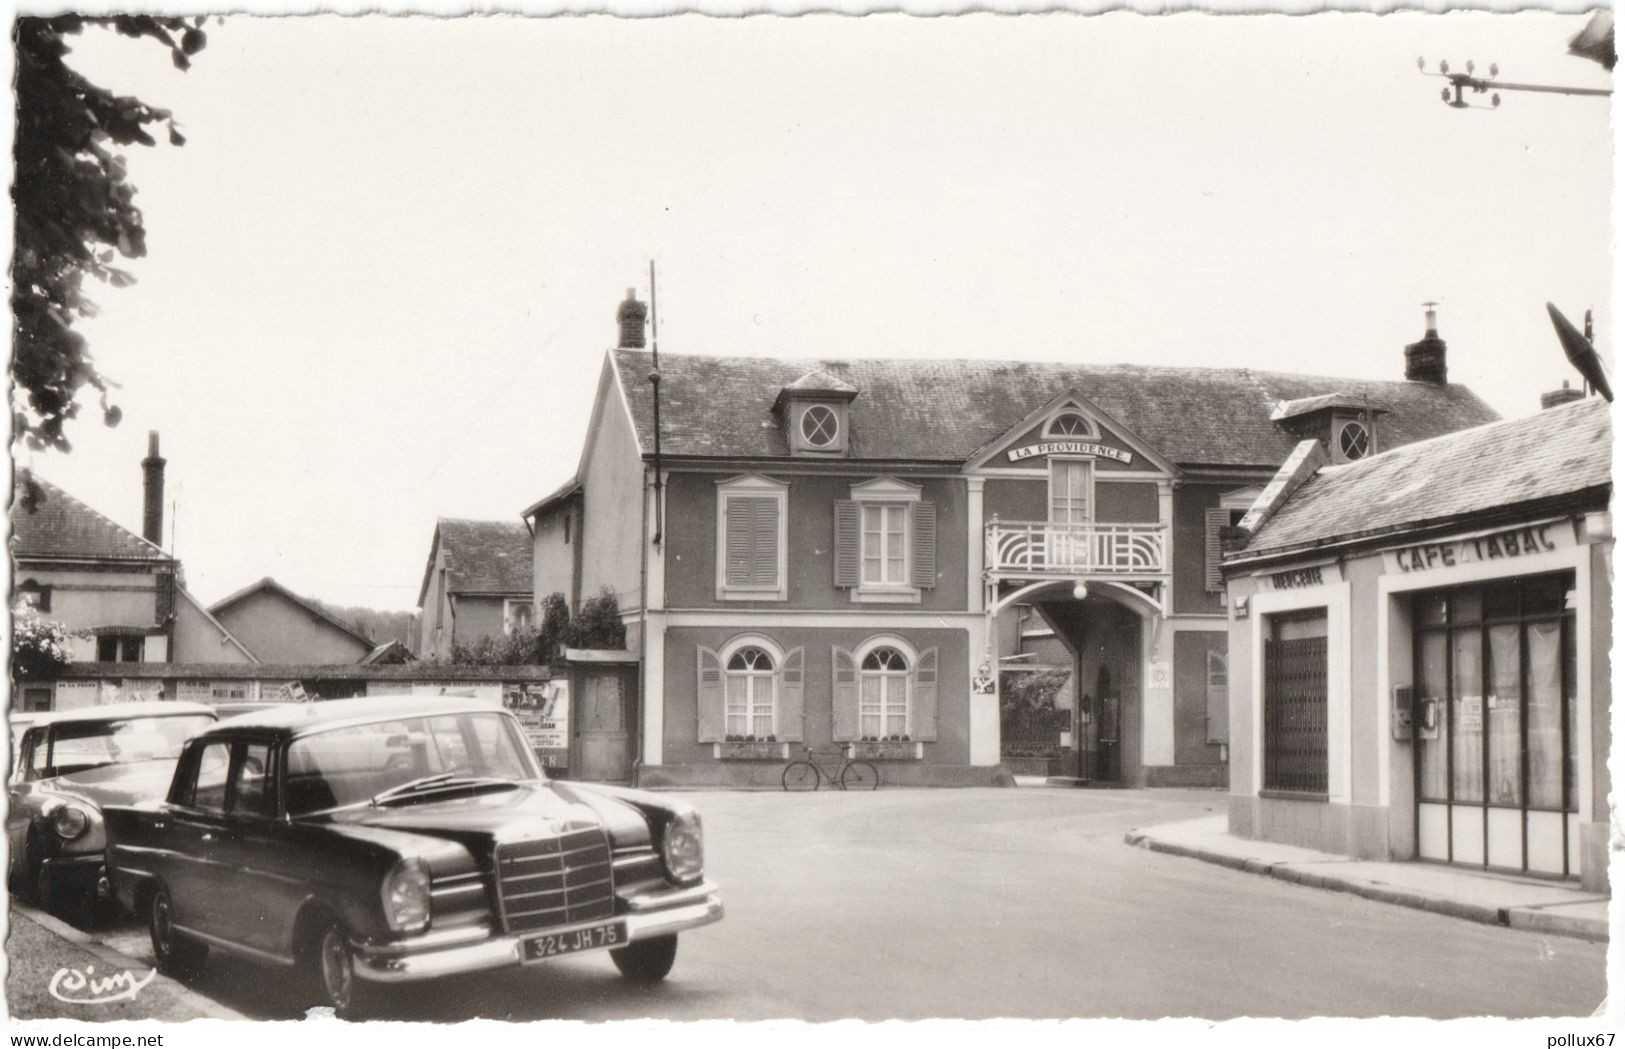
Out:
{"x": 71, "y": 695}
{"x": 544, "y": 710}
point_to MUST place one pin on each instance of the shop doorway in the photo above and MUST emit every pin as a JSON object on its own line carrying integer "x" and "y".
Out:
{"x": 1494, "y": 725}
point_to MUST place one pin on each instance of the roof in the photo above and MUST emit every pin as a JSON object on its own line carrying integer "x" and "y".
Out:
{"x": 481, "y": 557}
{"x": 209, "y": 617}
{"x": 118, "y": 711}
{"x": 298, "y": 719}
{"x": 945, "y": 410}
{"x": 553, "y": 498}
{"x": 60, "y": 526}
{"x": 1305, "y": 405}
{"x": 1560, "y": 453}
{"x": 271, "y": 585}
{"x": 392, "y": 651}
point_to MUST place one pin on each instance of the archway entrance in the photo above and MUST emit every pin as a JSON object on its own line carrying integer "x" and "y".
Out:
{"x": 1105, "y": 641}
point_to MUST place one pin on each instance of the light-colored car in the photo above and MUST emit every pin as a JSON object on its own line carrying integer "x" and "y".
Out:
{"x": 71, "y": 763}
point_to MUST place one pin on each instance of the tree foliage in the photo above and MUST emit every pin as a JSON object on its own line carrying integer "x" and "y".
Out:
{"x": 74, "y": 209}
{"x": 40, "y": 647}
{"x": 597, "y": 626}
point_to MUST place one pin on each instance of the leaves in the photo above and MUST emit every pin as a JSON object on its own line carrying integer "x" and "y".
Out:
{"x": 73, "y": 207}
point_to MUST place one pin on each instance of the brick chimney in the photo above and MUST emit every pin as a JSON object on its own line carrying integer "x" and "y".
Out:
{"x": 152, "y": 496}
{"x": 1561, "y": 396}
{"x": 1424, "y": 360}
{"x": 632, "y": 316}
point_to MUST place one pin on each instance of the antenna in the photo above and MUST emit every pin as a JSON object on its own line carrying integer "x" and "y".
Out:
{"x": 654, "y": 382}
{"x": 1463, "y": 83}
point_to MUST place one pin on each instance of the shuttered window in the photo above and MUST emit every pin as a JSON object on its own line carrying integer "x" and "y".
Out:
{"x": 1217, "y": 520}
{"x": 885, "y": 541}
{"x": 751, "y": 539}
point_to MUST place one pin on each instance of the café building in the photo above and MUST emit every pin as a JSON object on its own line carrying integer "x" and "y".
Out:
{"x": 1419, "y": 649}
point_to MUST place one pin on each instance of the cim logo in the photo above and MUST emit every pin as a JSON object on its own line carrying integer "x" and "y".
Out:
{"x": 86, "y": 988}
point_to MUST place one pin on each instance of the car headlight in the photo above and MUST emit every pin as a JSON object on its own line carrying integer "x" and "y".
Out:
{"x": 69, "y": 822}
{"x": 681, "y": 848}
{"x": 406, "y": 896}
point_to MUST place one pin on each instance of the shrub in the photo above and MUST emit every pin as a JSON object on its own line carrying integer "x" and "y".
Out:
{"x": 598, "y": 625}
{"x": 40, "y": 647}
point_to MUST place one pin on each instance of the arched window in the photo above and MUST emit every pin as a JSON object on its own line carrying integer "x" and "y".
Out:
{"x": 1069, "y": 424}
{"x": 751, "y": 681}
{"x": 883, "y": 693}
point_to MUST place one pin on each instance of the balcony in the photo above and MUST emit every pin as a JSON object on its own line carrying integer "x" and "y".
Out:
{"x": 1042, "y": 550}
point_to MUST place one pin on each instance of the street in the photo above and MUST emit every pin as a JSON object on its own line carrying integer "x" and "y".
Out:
{"x": 1003, "y": 903}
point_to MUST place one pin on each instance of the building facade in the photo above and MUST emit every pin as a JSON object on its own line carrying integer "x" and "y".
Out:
{"x": 1419, "y": 650}
{"x": 122, "y": 597}
{"x": 820, "y": 553}
{"x": 279, "y": 626}
{"x": 477, "y": 584}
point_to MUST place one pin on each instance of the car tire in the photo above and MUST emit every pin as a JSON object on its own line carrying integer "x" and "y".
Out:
{"x": 646, "y": 961}
{"x": 175, "y": 954}
{"x": 328, "y": 963}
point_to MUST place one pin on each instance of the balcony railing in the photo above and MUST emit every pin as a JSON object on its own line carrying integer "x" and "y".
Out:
{"x": 1040, "y": 549}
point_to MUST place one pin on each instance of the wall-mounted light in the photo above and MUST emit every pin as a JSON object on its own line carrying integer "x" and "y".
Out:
{"x": 1079, "y": 590}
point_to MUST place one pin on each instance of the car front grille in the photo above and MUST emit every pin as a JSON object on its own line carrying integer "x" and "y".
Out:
{"x": 554, "y": 881}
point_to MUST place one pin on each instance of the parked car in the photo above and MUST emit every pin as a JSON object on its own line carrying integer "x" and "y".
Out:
{"x": 72, "y": 763}
{"x": 401, "y": 838}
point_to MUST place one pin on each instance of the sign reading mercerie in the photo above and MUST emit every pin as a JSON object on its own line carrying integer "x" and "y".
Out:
{"x": 1103, "y": 451}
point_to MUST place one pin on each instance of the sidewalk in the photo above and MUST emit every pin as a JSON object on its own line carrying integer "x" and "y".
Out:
{"x": 43, "y": 952}
{"x": 1481, "y": 896}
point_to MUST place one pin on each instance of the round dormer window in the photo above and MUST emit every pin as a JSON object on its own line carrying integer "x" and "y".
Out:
{"x": 1353, "y": 441}
{"x": 820, "y": 426}
{"x": 1069, "y": 424}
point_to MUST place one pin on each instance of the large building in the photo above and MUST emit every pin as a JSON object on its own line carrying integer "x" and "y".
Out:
{"x": 476, "y": 585}
{"x": 1419, "y": 650}
{"x": 818, "y": 552}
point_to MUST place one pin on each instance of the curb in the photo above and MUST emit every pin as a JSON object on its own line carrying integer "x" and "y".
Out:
{"x": 1527, "y": 918}
{"x": 205, "y": 1008}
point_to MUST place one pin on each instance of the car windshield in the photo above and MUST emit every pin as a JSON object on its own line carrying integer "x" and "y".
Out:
{"x": 357, "y": 763}
{"x": 78, "y": 745}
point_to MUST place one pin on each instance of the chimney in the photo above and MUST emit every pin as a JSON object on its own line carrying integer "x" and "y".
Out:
{"x": 632, "y": 315}
{"x": 152, "y": 506}
{"x": 1559, "y": 397}
{"x": 1424, "y": 360}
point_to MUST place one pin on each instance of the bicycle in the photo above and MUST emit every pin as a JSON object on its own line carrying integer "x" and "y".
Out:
{"x": 808, "y": 774}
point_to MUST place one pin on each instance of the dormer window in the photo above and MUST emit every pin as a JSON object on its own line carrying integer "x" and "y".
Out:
{"x": 1353, "y": 440}
{"x": 813, "y": 412}
{"x": 820, "y": 426}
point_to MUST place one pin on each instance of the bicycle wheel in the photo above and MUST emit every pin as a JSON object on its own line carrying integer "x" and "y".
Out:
{"x": 859, "y": 775}
{"x": 800, "y": 775}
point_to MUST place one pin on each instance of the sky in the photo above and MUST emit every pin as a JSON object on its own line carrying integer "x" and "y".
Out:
{"x": 383, "y": 271}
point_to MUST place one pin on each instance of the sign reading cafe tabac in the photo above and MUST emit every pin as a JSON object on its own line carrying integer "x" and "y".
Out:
{"x": 1102, "y": 451}
{"x": 1514, "y": 542}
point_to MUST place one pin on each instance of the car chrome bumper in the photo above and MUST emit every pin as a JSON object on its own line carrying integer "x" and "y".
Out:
{"x": 444, "y": 952}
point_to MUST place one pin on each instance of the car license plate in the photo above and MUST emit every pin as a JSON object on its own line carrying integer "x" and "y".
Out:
{"x": 587, "y": 938}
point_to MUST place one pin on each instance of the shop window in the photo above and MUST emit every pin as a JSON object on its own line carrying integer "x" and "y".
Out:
{"x": 885, "y": 542}
{"x": 1295, "y": 689}
{"x": 752, "y": 533}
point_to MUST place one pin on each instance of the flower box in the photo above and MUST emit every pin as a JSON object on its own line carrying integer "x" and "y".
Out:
{"x": 751, "y": 750}
{"x": 886, "y": 750}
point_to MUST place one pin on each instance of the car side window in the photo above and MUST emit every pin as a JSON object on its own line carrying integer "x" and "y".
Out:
{"x": 207, "y": 791}
{"x": 251, "y": 793}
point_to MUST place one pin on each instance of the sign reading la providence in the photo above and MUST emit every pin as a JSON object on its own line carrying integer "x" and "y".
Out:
{"x": 1102, "y": 451}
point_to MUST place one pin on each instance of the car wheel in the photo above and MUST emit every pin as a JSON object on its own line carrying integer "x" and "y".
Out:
{"x": 174, "y": 954}
{"x": 646, "y": 961}
{"x": 330, "y": 972}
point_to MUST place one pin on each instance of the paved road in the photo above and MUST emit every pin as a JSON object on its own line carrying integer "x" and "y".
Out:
{"x": 1020, "y": 903}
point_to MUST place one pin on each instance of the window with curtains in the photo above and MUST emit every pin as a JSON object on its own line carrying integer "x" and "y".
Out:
{"x": 751, "y": 682}
{"x": 883, "y": 681}
{"x": 885, "y": 541}
{"x": 752, "y": 533}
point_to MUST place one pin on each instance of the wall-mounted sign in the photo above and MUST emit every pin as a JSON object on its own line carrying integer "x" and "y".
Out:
{"x": 1101, "y": 451}
{"x": 1304, "y": 577}
{"x": 1494, "y": 546}
{"x": 544, "y": 711}
{"x": 71, "y": 695}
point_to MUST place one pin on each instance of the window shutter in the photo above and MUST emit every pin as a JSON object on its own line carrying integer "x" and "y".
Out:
{"x": 1217, "y": 519}
{"x": 711, "y": 710}
{"x": 923, "y": 516}
{"x": 1218, "y": 698}
{"x": 765, "y": 542}
{"x": 847, "y": 525}
{"x": 792, "y": 684}
{"x": 737, "y": 544}
{"x": 844, "y": 700}
{"x": 925, "y": 696}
